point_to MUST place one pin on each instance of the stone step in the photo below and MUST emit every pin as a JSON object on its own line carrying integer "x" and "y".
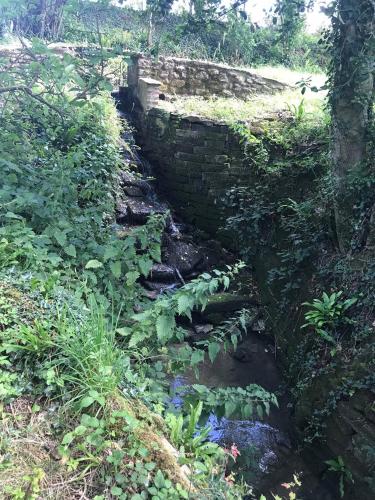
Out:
{"x": 129, "y": 179}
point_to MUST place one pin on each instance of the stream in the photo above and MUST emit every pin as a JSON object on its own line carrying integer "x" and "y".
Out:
{"x": 269, "y": 450}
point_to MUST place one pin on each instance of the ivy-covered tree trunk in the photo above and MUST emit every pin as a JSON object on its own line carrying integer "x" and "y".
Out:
{"x": 352, "y": 94}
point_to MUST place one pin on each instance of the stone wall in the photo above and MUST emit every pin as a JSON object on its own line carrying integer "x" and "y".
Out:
{"x": 196, "y": 161}
{"x": 200, "y": 78}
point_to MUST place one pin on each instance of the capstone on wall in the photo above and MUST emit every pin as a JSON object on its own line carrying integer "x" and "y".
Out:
{"x": 199, "y": 78}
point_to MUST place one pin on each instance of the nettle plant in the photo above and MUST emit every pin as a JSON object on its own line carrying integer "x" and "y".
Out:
{"x": 60, "y": 162}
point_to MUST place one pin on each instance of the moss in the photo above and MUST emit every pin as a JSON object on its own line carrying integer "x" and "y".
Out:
{"x": 151, "y": 433}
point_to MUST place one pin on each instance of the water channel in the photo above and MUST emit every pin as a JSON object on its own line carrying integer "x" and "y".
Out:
{"x": 270, "y": 454}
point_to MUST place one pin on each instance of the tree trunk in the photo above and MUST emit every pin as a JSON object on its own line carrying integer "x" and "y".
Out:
{"x": 150, "y": 30}
{"x": 352, "y": 96}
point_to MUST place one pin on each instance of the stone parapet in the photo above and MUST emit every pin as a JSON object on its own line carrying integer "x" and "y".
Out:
{"x": 200, "y": 78}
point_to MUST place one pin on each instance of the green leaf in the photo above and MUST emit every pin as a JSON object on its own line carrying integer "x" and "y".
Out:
{"x": 145, "y": 266}
{"x": 131, "y": 277}
{"x": 116, "y": 491}
{"x": 71, "y": 250}
{"x": 230, "y": 408}
{"x": 184, "y": 304}
{"x": 197, "y": 357}
{"x": 89, "y": 421}
{"x": 68, "y": 438}
{"x": 226, "y": 282}
{"x": 159, "y": 480}
{"x": 110, "y": 252}
{"x": 213, "y": 350}
{"x": 201, "y": 389}
{"x": 165, "y": 327}
{"x": 138, "y": 337}
{"x": 93, "y": 264}
{"x": 124, "y": 331}
{"x": 60, "y": 237}
{"x": 86, "y": 402}
{"x": 116, "y": 269}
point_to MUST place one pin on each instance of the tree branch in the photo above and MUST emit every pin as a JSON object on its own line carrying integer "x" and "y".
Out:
{"x": 37, "y": 97}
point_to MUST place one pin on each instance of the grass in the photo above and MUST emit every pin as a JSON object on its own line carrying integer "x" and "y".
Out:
{"x": 258, "y": 107}
{"x": 289, "y": 76}
{"x": 28, "y": 452}
{"x": 90, "y": 358}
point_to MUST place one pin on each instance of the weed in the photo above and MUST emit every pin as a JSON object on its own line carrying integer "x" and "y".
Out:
{"x": 327, "y": 314}
{"x": 345, "y": 476}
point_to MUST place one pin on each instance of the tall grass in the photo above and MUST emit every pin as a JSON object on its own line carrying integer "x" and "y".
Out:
{"x": 89, "y": 357}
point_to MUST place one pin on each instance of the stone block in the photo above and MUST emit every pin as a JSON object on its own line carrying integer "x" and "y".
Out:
{"x": 217, "y": 159}
{"x": 148, "y": 92}
{"x": 186, "y": 156}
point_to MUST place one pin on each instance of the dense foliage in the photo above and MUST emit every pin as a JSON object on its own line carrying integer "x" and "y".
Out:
{"x": 86, "y": 358}
{"x": 79, "y": 337}
{"x": 209, "y": 32}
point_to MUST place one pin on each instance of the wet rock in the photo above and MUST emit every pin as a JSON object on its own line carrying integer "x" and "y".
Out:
{"x": 137, "y": 211}
{"x": 129, "y": 179}
{"x": 181, "y": 255}
{"x": 133, "y": 191}
{"x": 203, "y": 329}
{"x": 172, "y": 229}
{"x": 163, "y": 273}
{"x": 213, "y": 256}
{"x": 158, "y": 287}
{"x": 201, "y": 332}
{"x": 243, "y": 354}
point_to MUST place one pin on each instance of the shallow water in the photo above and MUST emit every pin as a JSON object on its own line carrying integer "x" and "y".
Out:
{"x": 269, "y": 454}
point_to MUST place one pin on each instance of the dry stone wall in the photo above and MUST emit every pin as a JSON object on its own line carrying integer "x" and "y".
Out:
{"x": 199, "y": 78}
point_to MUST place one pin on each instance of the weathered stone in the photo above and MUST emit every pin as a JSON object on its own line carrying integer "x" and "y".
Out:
{"x": 133, "y": 191}
{"x": 162, "y": 273}
{"x": 137, "y": 211}
{"x": 181, "y": 255}
{"x": 227, "y": 302}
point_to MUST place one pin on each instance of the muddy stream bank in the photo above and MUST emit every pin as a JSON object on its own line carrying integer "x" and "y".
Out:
{"x": 270, "y": 454}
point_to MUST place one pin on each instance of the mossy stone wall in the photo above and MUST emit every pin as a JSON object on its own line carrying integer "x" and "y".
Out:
{"x": 196, "y": 161}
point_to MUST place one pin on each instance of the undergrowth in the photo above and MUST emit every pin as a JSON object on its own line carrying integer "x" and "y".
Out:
{"x": 86, "y": 358}
{"x": 319, "y": 302}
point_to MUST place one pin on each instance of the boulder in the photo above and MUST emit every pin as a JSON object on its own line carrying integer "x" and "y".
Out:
{"x": 181, "y": 255}
{"x": 137, "y": 211}
{"x": 162, "y": 273}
